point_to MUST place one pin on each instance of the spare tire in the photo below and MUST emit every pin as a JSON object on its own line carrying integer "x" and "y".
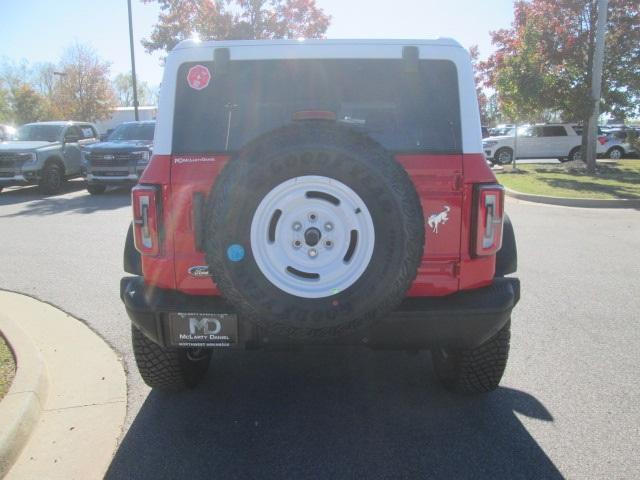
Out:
{"x": 314, "y": 231}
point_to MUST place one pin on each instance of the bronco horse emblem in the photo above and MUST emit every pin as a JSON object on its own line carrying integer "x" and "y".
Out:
{"x": 438, "y": 218}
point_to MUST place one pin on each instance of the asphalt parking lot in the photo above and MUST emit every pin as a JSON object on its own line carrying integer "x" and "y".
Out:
{"x": 568, "y": 405}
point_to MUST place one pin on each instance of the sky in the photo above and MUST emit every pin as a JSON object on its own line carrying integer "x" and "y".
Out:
{"x": 40, "y": 30}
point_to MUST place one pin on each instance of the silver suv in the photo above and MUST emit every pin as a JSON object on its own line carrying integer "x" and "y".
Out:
{"x": 45, "y": 154}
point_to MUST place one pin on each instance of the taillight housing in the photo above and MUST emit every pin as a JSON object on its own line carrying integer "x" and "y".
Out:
{"x": 145, "y": 201}
{"x": 489, "y": 218}
{"x": 602, "y": 140}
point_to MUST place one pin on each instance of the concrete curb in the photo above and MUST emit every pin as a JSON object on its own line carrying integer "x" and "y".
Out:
{"x": 81, "y": 416}
{"x": 574, "y": 202}
{"x": 20, "y": 409}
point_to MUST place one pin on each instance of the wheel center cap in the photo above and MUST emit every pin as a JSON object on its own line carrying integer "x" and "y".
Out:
{"x": 312, "y": 236}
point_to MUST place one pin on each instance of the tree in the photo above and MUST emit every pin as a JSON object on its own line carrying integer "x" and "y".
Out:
{"x": 19, "y": 101}
{"x": 83, "y": 91}
{"x": 474, "y": 53}
{"x": 544, "y": 61}
{"x": 123, "y": 86}
{"x": 14, "y": 75}
{"x": 487, "y": 101}
{"x": 633, "y": 137}
{"x": 27, "y": 105}
{"x": 45, "y": 80}
{"x": 235, "y": 20}
{"x": 5, "y": 107}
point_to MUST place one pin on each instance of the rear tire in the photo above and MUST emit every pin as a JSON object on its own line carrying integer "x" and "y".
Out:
{"x": 615, "y": 153}
{"x": 51, "y": 179}
{"x": 503, "y": 156}
{"x": 474, "y": 370}
{"x": 96, "y": 189}
{"x": 575, "y": 154}
{"x": 312, "y": 171}
{"x": 165, "y": 368}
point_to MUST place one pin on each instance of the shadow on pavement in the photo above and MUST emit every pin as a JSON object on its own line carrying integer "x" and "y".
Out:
{"x": 36, "y": 203}
{"x": 330, "y": 414}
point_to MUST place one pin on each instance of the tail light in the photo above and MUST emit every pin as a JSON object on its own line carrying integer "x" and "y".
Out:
{"x": 490, "y": 210}
{"x": 144, "y": 199}
{"x": 602, "y": 140}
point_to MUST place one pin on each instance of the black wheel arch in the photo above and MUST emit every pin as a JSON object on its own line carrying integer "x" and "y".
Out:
{"x": 496, "y": 154}
{"x": 54, "y": 159}
{"x": 573, "y": 151}
{"x": 131, "y": 259}
{"x": 507, "y": 256}
{"x": 616, "y": 147}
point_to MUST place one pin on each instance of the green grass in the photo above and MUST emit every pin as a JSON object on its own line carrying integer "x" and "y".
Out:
{"x": 7, "y": 367}
{"x": 620, "y": 180}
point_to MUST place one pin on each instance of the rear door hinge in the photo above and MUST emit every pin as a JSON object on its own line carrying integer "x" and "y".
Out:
{"x": 458, "y": 182}
{"x": 456, "y": 269}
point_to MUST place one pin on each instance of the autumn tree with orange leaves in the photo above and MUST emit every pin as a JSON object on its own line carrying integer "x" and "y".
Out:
{"x": 544, "y": 61}
{"x": 235, "y": 20}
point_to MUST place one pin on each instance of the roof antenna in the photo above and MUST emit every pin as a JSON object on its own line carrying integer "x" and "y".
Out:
{"x": 230, "y": 108}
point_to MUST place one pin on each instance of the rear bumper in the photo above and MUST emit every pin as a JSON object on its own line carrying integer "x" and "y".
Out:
{"x": 464, "y": 319}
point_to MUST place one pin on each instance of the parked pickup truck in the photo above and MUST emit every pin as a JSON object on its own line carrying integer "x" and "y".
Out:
{"x": 45, "y": 154}
{"x": 120, "y": 159}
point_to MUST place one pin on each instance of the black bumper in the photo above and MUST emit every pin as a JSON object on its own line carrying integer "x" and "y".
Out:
{"x": 464, "y": 319}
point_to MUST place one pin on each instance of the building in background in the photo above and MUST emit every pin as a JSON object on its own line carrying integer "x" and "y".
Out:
{"x": 126, "y": 114}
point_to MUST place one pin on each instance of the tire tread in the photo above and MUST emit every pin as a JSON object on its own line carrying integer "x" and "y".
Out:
{"x": 476, "y": 370}
{"x": 163, "y": 368}
{"x": 220, "y": 204}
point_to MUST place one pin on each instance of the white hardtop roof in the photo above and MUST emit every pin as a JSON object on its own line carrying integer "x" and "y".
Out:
{"x": 130, "y": 109}
{"x": 189, "y": 51}
{"x": 443, "y": 42}
{"x": 57, "y": 122}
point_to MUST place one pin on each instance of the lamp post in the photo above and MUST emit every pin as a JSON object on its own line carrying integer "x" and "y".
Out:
{"x": 596, "y": 86}
{"x": 133, "y": 64}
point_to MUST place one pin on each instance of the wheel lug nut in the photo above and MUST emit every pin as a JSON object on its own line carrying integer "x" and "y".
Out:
{"x": 297, "y": 244}
{"x": 296, "y": 226}
{"x": 328, "y": 243}
{"x": 313, "y": 253}
{"x": 313, "y": 217}
{"x": 328, "y": 226}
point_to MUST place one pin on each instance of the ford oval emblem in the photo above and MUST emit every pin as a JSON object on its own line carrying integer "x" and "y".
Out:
{"x": 199, "y": 271}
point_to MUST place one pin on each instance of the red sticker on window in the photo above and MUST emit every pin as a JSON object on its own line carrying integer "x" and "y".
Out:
{"x": 198, "y": 77}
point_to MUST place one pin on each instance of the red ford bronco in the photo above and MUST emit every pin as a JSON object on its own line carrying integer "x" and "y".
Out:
{"x": 319, "y": 193}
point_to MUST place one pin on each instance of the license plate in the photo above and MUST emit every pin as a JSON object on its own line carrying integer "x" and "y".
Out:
{"x": 203, "y": 329}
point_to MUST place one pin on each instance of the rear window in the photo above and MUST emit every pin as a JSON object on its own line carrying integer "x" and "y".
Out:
{"x": 88, "y": 131}
{"x": 403, "y": 111}
{"x": 133, "y": 131}
{"x": 578, "y": 130}
{"x": 554, "y": 131}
